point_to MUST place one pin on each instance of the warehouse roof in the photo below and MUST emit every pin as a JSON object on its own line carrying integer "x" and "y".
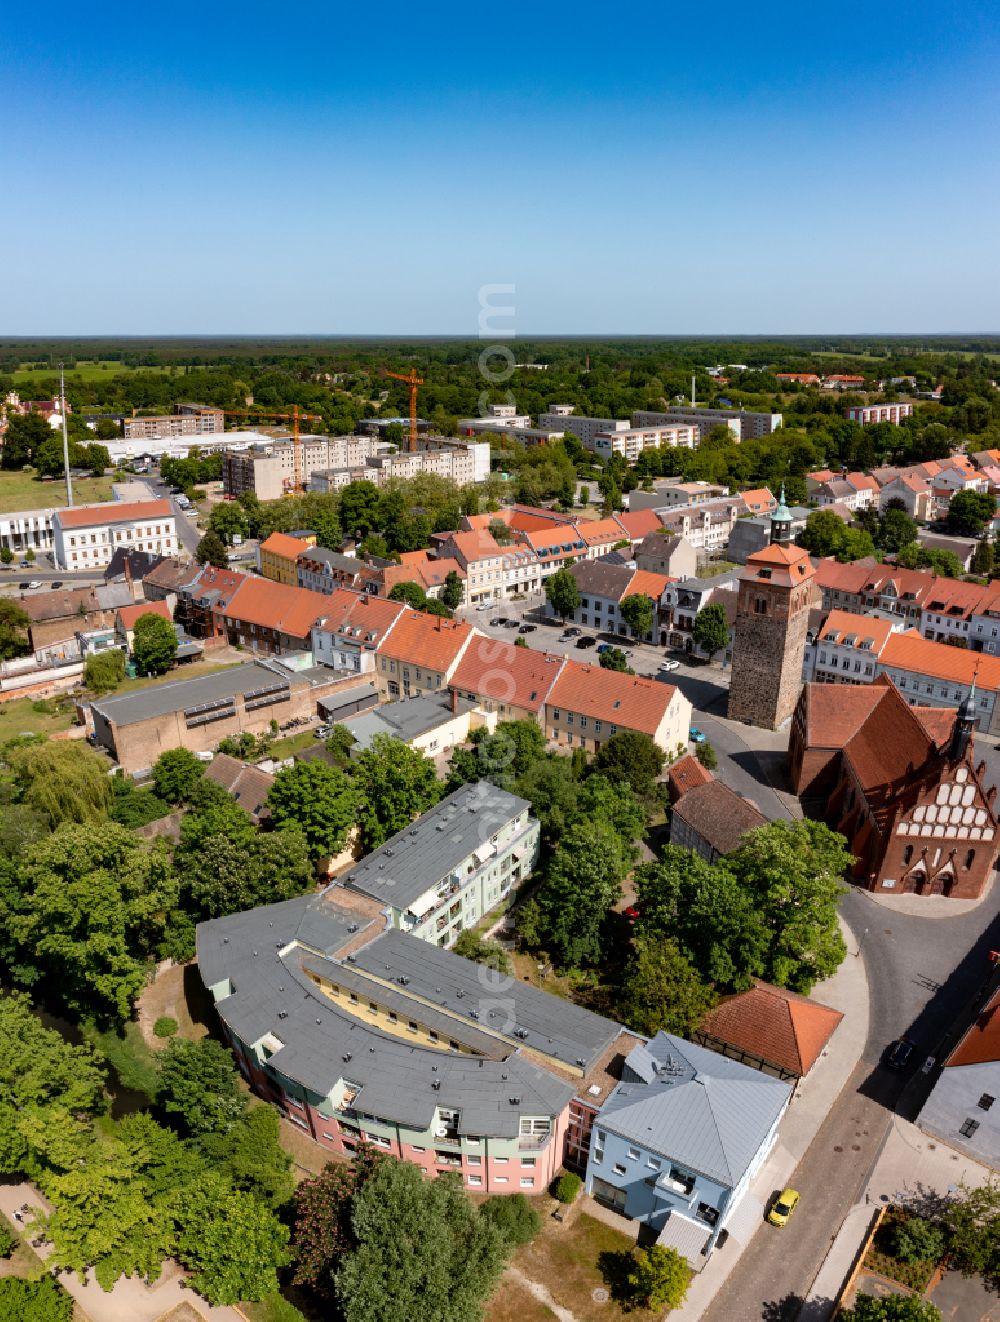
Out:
{"x": 182, "y": 694}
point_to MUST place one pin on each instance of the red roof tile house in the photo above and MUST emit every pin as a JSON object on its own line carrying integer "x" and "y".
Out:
{"x": 587, "y": 705}
{"x": 773, "y": 1030}
{"x": 685, "y": 774}
{"x": 511, "y": 681}
{"x": 901, "y": 783}
{"x": 482, "y": 559}
{"x": 273, "y": 617}
{"x": 348, "y": 634}
{"x": 962, "y": 1109}
{"x": 419, "y": 654}
{"x": 126, "y": 617}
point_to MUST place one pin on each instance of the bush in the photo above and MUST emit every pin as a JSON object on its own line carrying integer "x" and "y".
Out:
{"x": 706, "y": 755}
{"x": 566, "y": 1187}
{"x": 165, "y": 1026}
{"x": 513, "y": 1216}
{"x": 34, "y": 1301}
{"x": 104, "y": 671}
{"x": 7, "y": 1242}
{"x": 917, "y": 1240}
{"x": 659, "y": 1278}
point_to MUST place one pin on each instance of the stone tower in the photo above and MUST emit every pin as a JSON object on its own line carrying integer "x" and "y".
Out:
{"x": 772, "y": 615}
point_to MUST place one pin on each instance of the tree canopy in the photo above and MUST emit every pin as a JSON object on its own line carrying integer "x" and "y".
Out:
{"x": 321, "y": 800}
{"x": 396, "y": 783}
{"x": 970, "y": 511}
{"x": 154, "y": 645}
{"x": 562, "y": 593}
{"x": 710, "y": 630}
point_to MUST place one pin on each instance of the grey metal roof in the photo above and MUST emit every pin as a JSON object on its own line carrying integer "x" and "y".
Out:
{"x": 180, "y": 694}
{"x": 347, "y": 564}
{"x": 694, "y": 1106}
{"x": 259, "y": 954}
{"x": 409, "y": 864}
{"x": 549, "y": 1024}
{"x": 406, "y": 719}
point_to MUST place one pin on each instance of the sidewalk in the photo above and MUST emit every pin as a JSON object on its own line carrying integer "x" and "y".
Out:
{"x": 931, "y": 906}
{"x": 912, "y": 1163}
{"x": 847, "y": 991}
{"x": 131, "y": 1300}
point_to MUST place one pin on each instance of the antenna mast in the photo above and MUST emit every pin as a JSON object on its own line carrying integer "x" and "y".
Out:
{"x": 692, "y": 389}
{"x": 69, "y": 480}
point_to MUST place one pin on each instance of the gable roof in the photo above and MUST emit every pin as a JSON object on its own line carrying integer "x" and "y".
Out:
{"x": 428, "y": 641}
{"x": 685, "y": 774}
{"x": 280, "y": 543}
{"x": 596, "y": 531}
{"x": 719, "y": 815}
{"x": 980, "y": 1044}
{"x": 248, "y": 785}
{"x": 628, "y": 701}
{"x": 480, "y": 544}
{"x": 843, "y": 625}
{"x": 779, "y": 1026}
{"x": 360, "y": 615}
{"x": 517, "y": 676}
{"x": 279, "y": 606}
{"x": 650, "y": 584}
{"x": 834, "y": 712}
{"x": 601, "y": 578}
{"x": 638, "y": 524}
{"x": 710, "y": 1113}
{"x": 910, "y": 651}
{"x": 127, "y": 615}
{"x": 171, "y": 574}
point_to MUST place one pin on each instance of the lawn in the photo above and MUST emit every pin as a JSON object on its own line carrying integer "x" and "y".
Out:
{"x": 513, "y": 1302}
{"x": 294, "y": 744}
{"x": 568, "y": 1260}
{"x": 24, "y": 491}
{"x": 28, "y": 716}
{"x": 83, "y": 371}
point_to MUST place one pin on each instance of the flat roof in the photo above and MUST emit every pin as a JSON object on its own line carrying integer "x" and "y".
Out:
{"x": 180, "y": 694}
{"x": 404, "y": 720}
{"x": 415, "y": 860}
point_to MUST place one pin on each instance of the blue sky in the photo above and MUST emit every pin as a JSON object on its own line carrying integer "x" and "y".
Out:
{"x": 646, "y": 168}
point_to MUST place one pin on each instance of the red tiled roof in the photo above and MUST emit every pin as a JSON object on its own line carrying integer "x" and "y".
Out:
{"x": 628, "y": 701}
{"x": 890, "y": 744}
{"x": 645, "y": 581}
{"x": 428, "y": 641}
{"x": 834, "y": 712}
{"x": 757, "y": 498}
{"x": 360, "y": 615}
{"x": 862, "y": 481}
{"x": 981, "y": 1043}
{"x": 778, "y": 1026}
{"x": 780, "y": 564}
{"x": 684, "y": 775}
{"x": 841, "y": 625}
{"x": 476, "y": 545}
{"x": 278, "y": 606}
{"x": 517, "y": 676}
{"x": 594, "y": 531}
{"x": 127, "y": 615}
{"x": 835, "y": 577}
{"x": 911, "y": 652}
{"x": 125, "y": 511}
{"x": 289, "y": 548}
{"x": 639, "y": 523}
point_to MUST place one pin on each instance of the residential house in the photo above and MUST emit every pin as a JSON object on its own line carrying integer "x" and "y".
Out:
{"x": 348, "y": 633}
{"x": 278, "y": 555}
{"x": 512, "y": 682}
{"x": 321, "y": 570}
{"x": 938, "y": 675}
{"x": 959, "y": 1110}
{"x": 847, "y": 648}
{"x": 165, "y": 580}
{"x": 836, "y": 491}
{"x": 712, "y": 820}
{"x": 684, "y": 599}
{"x": 915, "y": 492}
{"x": 898, "y": 778}
{"x": 202, "y": 601}
{"x": 603, "y": 587}
{"x": 453, "y": 865}
{"x": 680, "y": 1139}
{"x": 126, "y": 616}
{"x": 482, "y": 559}
{"x": 270, "y": 617}
{"x": 770, "y": 1029}
{"x": 707, "y": 527}
{"x": 247, "y": 785}
{"x": 685, "y": 774}
{"x": 759, "y": 501}
{"x": 87, "y": 536}
{"x": 420, "y": 653}
{"x": 432, "y": 724}
{"x": 867, "y": 489}
{"x": 668, "y": 554}
{"x": 841, "y": 382}
{"x": 586, "y": 705}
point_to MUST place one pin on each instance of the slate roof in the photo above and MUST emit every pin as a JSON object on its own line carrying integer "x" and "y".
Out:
{"x": 694, "y": 1106}
{"x": 415, "y": 859}
{"x": 598, "y": 578}
{"x": 780, "y": 1027}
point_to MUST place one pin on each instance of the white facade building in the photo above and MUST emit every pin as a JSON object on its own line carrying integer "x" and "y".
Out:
{"x": 87, "y": 536}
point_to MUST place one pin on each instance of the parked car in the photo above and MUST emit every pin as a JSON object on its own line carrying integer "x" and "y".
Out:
{"x": 511, "y": 622}
{"x": 696, "y": 735}
{"x": 485, "y": 606}
{"x": 24, "y": 564}
{"x": 670, "y": 665}
{"x": 571, "y": 632}
{"x": 527, "y": 628}
{"x": 34, "y": 585}
{"x": 496, "y": 622}
{"x": 586, "y": 641}
{"x": 604, "y": 647}
{"x": 899, "y": 1053}
{"x": 783, "y": 1207}
{"x": 56, "y": 583}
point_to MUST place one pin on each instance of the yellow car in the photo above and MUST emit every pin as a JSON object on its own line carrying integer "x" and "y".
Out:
{"x": 784, "y": 1206}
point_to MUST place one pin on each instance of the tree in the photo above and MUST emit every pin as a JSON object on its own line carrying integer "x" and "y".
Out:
{"x": 711, "y": 629}
{"x": 631, "y": 757}
{"x": 563, "y": 593}
{"x": 64, "y": 782}
{"x": 226, "y": 875}
{"x": 973, "y": 1220}
{"x": 396, "y": 784}
{"x": 320, "y": 800}
{"x": 552, "y": 790}
{"x": 134, "y": 807}
{"x": 211, "y": 550}
{"x": 43, "y": 1300}
{"x": 424, "y": 1250}
{"x": 914, "y": 1239}
{"x": 661, "y": 992}
{"x": 250, "y": 1156}
{"x": 14, "y": 624}
{"x": 615, "y": 803}
{"x": 104, "y": 671}
{"x": 470, "y": 945}
{"x": 234, "y": 1245}
{"x": 582, "y": 883}
{"x": 970, "y": 511}
{"x": 175, "y": 774}
{"x": 892, "y": 1308}
{"x": 339, "y": 743}
{"x": 895, "y": 530}
{"x": 706, "y": 755}
{"x": 659, "y": 1277}
{"x": 453, "y": 593}
{"x": 228, "y": 520}
{"x": 25, "y": 433}
{"x": 360, "y": 503}
{"x": 615, "y": 659}
{"x": 638, "y": 611}
{"x": 793, "y": 874}
{"x": 983, "y": 557}
{"x": 88, "y": 915}
{"x": 412, "y": 593}
{"x": 155, "y": 645}
{"x": 513, "y": 1216}
{"x": 322, "y": 1217}
{"x": 823, "y": 534}
{"x": 6, "y": 555}
{"x": 199, "y": 1086}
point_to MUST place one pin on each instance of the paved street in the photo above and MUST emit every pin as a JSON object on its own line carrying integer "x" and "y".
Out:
{"x": 187, "y": 530}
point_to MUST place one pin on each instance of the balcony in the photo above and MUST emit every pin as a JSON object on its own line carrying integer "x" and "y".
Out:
{"x": 533, "y": 1142}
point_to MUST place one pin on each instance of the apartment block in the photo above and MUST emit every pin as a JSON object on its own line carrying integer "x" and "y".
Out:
{"x": 186, "y": 420}
{"x": 629, "y": 444}
{"x": 560, "y": 417}
{"x": 869, "y": 413}
{"x": 746, "y": 426}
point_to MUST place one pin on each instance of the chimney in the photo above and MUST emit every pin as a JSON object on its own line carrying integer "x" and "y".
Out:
{"x": 454, "y": 700}
{"x": 991, "y": 794}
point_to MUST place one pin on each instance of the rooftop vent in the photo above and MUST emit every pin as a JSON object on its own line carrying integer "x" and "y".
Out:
{"x": 515, "y": 1101}
{"x": 436, "y": 1085}
{"x": 347, "y": 1057}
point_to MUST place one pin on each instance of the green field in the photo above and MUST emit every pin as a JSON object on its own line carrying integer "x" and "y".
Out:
{"x": 24, "y": 491}
{"x": 20, "y": 716}
{"x": 82, "y": 371}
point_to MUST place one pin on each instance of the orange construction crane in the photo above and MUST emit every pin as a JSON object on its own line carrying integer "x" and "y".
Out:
{"x": 296, "y": 418}
{"x": 412, "y": 381}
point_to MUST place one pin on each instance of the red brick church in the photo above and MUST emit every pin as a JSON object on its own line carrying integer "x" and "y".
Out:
{"x": 901, "y": 783}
